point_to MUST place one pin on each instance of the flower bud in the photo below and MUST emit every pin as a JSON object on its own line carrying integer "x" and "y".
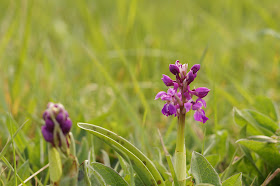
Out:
{"x": 48, "y": 135}
{"x": 190, "y": 77}
{"x": 174, "y": 69}
{"x": 167, "y": 80}
{"x": 55, "y": 114}
{"x": 183, "y": 70}
{"x": 195, "y": 68}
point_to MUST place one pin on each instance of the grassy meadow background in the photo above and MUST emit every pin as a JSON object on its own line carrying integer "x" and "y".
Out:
{"x": 104, "y": 61}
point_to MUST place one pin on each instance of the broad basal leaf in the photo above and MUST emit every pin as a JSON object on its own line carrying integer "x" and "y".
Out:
{"x": 108, "y": 174}
{"x": 203, "y": 171}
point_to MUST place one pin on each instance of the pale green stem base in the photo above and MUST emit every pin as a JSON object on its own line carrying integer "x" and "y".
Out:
{"x": 180, "y": 153}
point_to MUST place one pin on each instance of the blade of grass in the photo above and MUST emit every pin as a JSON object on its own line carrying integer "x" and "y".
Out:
{"x": 12, "y": 169}
{"x": 169, "y": 161}
{"x": 9, "y": 141}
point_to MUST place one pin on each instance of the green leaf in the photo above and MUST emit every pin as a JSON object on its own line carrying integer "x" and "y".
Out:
{"x": 106, "y": 158}
{"x": 235, "y": 180}
{"x": 172, "y": 170}
{"x": 108, "y": 174}
{"x": 240, "y": 119}
{"x": 213, "y": 159}
{"x": 5, "y": 148}
{"x": 266, "y": 106}
{"x": 267, "y": 150}
{"x": 256, "y": 122}
{"x": 83, "y": 150}
{"x": 203, "y": 171}
{"x": 127, "y": 170}
{"x": 69, "y": 171}
{"x": 23, "y": 172}
{"x": 20, "y": 139}
{"x": 55, "y": 164}
{"x": 88, "y": 176}
{"x": 264, "y": 121}
{"x": 118, "y": 144}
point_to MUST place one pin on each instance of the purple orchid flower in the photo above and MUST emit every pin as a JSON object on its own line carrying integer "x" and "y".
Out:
{"x": 179, "y": 98}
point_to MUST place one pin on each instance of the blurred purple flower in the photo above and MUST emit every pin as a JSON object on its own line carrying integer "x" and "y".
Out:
{"x": 60, "y": 115}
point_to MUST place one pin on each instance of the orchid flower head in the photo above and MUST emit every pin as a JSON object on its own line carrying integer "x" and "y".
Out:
{"x": 179, "y": 97}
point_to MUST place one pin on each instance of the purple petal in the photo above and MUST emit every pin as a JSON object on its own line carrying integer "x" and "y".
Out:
{"x": 199, "y": 115}
{"x": 164, "y": 110}
{"x": 197, "y": 106}
{"x": 46, "y": 115}
{"x": 166, "y": 98}
{"x": 167, "y": 80}
{"x": 202, "y": 101}
{"x": 171, "y": 91}
{"x": 188, "y": 106}
{"x": 201, "y": 92}
{"x": 172, "y": 109}
{"x": 174, "y": 69}
{"x": 67, "y": 124}
{"x": 187, "y": 95}
{"x": 195, "y": 68}
{"x": 204, "y": 119}
{"x": 60, "y": 117}
{"x": 176, "y": 86}
{"x": 190, "y": 77}
{"x": 47, "y": 134}
{"x": 161, "y": 93}
{"x": 168, "y": 109}
{"x": 49, "y": 125}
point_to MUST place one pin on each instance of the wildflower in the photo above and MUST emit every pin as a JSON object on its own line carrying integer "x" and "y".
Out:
{"x": 180, "y": 98}
{"x": 55, "y": 114}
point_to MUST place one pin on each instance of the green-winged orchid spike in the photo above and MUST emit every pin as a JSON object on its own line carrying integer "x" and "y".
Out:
{"x": 57, "y": 126}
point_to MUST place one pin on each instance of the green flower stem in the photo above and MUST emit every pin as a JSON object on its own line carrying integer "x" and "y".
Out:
{"x": 180, "y": 153}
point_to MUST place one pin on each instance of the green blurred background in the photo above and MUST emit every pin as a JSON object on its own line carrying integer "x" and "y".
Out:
{"x": 104, "y": 61}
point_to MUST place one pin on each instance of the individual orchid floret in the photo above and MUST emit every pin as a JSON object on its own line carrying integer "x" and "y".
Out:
{"x": 57, "y": 123}
{"x": 179, "y": 97}
{"x": 201, "y": 92}
{"x": 168, "y": 109}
